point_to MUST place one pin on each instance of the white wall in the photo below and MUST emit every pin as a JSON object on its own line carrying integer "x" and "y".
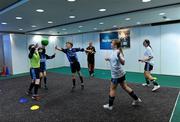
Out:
{"x": 7, "y": 52}
{"x": 19, "y": 51}
{"x": 170, "y": 49}
{"x": 1, "y": 52}
{"x": 165, "y": 41}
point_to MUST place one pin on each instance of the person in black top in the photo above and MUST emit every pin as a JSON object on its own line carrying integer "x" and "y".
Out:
{"x": 90, "y": 51}
{"x": 43, "y": 58}
{"x": 74, "y": 63}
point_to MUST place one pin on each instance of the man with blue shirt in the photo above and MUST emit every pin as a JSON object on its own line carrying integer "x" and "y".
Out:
{"x": 74, "y": 63}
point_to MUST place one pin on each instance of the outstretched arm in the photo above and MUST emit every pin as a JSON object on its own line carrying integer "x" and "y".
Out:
{"x": 57, "y": 48}
{"x": 79, "y": 49}
{"x": 50, "y": 57}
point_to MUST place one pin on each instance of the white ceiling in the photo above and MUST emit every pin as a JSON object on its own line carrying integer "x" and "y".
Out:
{"x": 86, "y": 11}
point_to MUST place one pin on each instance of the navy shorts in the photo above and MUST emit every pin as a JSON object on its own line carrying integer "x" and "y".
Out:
{"x": 118, "y": 80}
{"x": 148, "y": 67}
{"x": 34, "y": 72}
{"x": 75, "y": 67}
{"x": 42, "y": 67}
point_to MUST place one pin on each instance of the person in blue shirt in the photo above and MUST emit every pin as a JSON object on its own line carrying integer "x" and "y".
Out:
{"x": 74, "y": 63}
{"x": 43, "y": 58}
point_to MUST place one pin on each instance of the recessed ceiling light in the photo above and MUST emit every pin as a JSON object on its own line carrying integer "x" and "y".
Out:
{"x": 167, "y": 19}
{"x": 19, "y": 18}
{"x": 102, "y": 9}
{"x": 114, "y": 26}
{"x": 95, "y": 28}
{"x": 50, "y": 22}
{"x": 128, "y": 19}
{"x": 101, "y": 23}
{"x": 33, "y": 26}
{"x": 40, "y": 10}
{"x": 3, "y": 23}
{"x": 161, "y": 14}
{"x": 64, "y": 29}
{"x": 145, "y": 1}
{"x": 138, "y": 23}
{"x": 80, "y": 26}
{"x": 71, "y": 0}
{"x": 72, "y": 17}
{"x": 20, "y": 29}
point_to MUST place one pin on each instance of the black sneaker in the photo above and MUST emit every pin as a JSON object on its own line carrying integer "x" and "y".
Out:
{"x": 82, "y": 86}
{"x": 45, "y": 87}
{"x": 73, "y": 88}
{"x": 28, "y": 93}
{"x": 35, "y": 97}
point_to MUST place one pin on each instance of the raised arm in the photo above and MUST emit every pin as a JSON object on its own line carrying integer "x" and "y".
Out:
{"x": 31, "y": 53}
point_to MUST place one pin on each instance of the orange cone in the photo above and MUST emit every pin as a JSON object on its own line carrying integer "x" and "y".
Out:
{"x": 3, "y": 71}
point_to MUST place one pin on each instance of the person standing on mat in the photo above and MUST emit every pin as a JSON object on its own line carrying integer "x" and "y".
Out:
{"x": 118, "y": 75}
{"x": 43, "y": 58}
{"x": 34, "y": 71}
{"x": 74, "y": 63}
{"x": 149, "y": 62}
{"x": 91, "y": 58}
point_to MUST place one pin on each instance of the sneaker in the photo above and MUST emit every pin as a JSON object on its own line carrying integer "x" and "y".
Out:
{"x": 135, "y": 102}
{"x": 92, "y": 75}
{"x": 28, "y": 93}
{"x": 155, "y": 88}
{"x": 108, "y": 107}
{"x": 145, "y": 84}
{"x": 35, "y": 97}
{"x": 73, "y": 87}
{"x": 82, "y": 86}
{"x": 45, "y": 87}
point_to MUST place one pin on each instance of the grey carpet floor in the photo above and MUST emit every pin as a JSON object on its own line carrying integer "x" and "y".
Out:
{"x": 59, "y": 104}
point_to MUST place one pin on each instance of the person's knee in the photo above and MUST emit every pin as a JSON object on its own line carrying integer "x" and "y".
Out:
{"x": 44, "y": 74}
{"x": 37, "y": 81}
{"x": 123, "y": 85}
{"x": 146, "y": 74}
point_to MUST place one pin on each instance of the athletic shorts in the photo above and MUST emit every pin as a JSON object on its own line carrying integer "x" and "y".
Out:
{"x": 34, "y": 72}
{"x": 42, "y": 67}
{"x": 75, "y": 67}
{"x": 118, "y": 80}
{"x": 148, "y": 67}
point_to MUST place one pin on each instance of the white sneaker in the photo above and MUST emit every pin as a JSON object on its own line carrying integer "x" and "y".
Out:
{"x": 145, "y": 84}
{"x": 155, "y": 88}
{"x": 108, "y": 107}
{"x": 135, "y": 102}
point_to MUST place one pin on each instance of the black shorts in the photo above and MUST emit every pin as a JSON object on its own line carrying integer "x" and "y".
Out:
{"x": 90, "y": 60}
{"x": 75, "y": 67}
{"x": 118, "y": 80}
{"x": 148, "y": 67}
{"x": 42, "y": 67}
{"x": 34, "y": 72}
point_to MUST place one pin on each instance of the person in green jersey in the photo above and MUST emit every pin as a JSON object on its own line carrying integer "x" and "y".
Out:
{"x": 34, "y": 71}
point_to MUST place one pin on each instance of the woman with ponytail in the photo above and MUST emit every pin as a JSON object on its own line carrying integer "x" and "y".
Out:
{"x": 149, "y": 63}
{"x": 118, "y": 75}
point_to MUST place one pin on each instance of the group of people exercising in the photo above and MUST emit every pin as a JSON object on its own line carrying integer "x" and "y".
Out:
{"x": 38, "y": 57}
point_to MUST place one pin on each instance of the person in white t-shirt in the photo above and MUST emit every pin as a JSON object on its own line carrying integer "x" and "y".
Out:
{"x": 118, "y": 75}
{"x": 149, "y": 63}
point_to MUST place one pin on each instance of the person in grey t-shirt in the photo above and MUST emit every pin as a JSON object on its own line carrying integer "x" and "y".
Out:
{"x": 118, "y": 75}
